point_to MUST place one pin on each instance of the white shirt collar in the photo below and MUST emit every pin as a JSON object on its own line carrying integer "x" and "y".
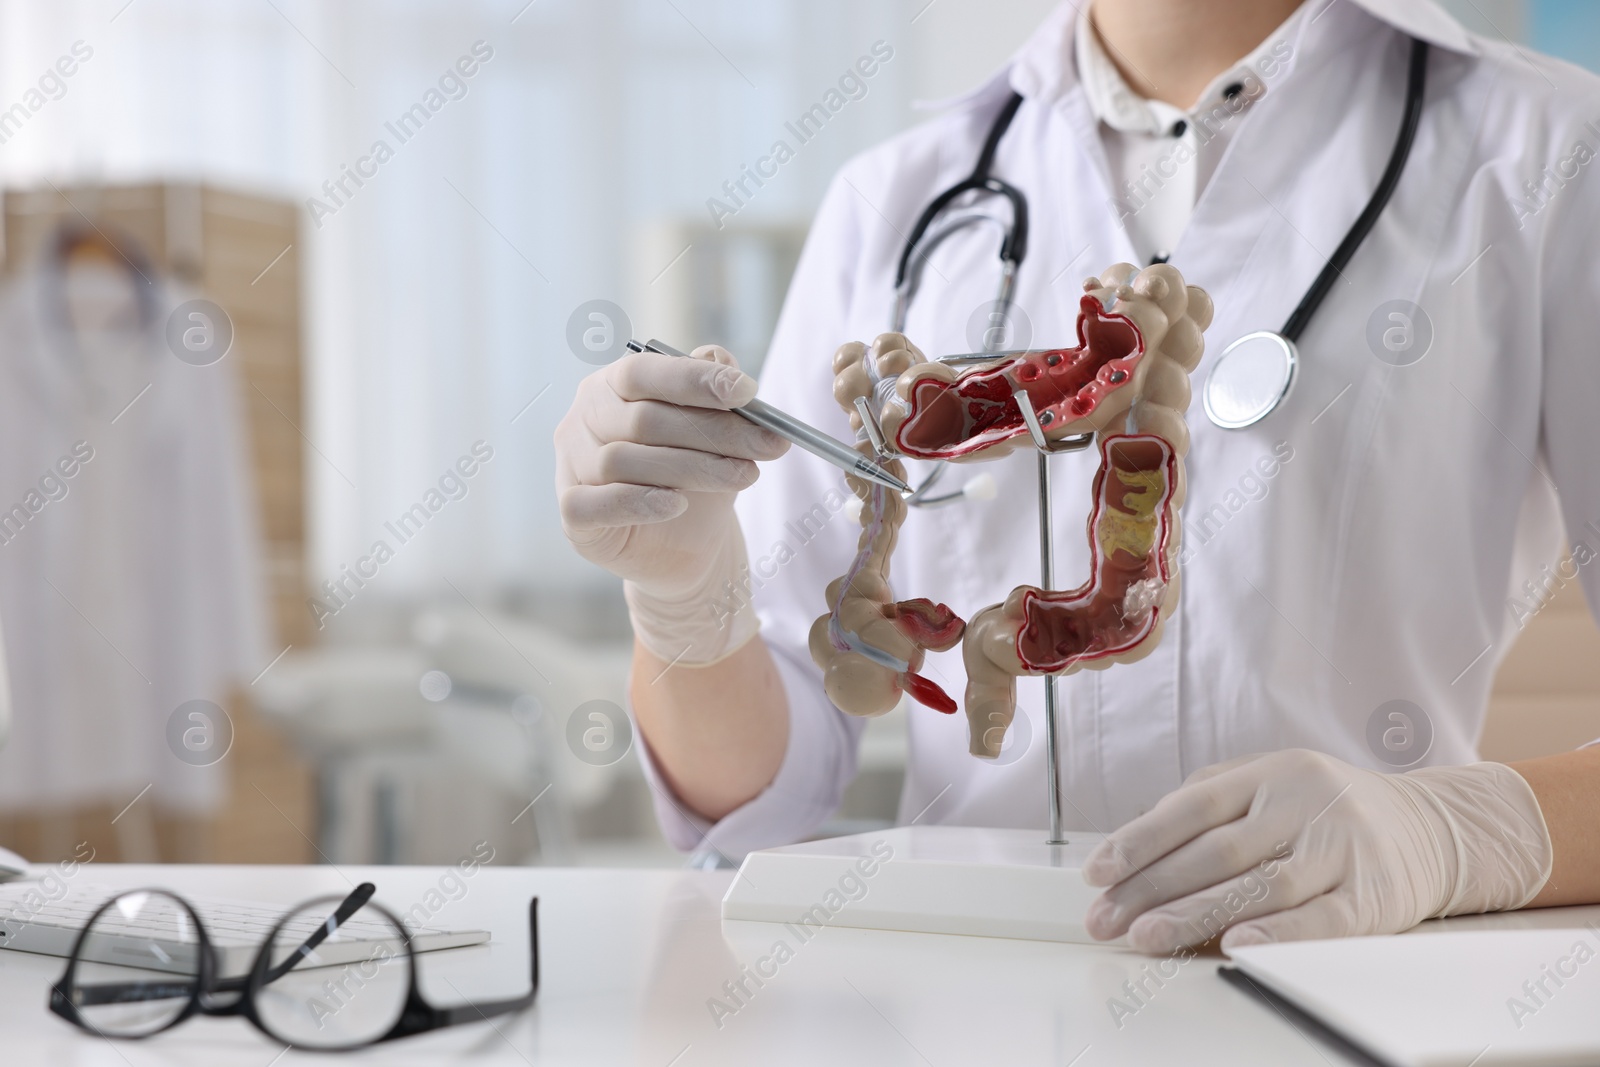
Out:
{"x": 1043, "y": 67}
{"x": 1116, "y": 104}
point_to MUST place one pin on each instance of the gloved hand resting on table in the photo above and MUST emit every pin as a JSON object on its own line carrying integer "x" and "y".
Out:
{"x": 1296, "y": 845}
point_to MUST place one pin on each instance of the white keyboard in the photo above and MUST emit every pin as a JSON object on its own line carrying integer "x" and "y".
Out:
{"x": 31, "y": 922}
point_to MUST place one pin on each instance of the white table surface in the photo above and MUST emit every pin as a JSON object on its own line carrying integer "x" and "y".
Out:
{"x": 630, "y": 959}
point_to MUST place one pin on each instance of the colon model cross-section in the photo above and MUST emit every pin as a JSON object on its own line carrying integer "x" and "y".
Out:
{"x": 1140, "y": 334}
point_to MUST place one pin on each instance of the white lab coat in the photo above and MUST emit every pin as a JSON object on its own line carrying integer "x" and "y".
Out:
{"x": 135, "y": 586}
{"x": 1379, "y": 559}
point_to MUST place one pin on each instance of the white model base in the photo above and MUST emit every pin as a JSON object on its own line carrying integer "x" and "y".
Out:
{"x": 927, "y": 879}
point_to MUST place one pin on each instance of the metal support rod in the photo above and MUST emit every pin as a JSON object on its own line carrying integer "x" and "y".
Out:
{"x": 869, "y": 423}
{"x": 1047, "y": 577}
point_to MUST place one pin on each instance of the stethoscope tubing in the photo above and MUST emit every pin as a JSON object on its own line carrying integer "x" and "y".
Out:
{"x": 1416, "y": 84}
{"x": 1014, "y": 244}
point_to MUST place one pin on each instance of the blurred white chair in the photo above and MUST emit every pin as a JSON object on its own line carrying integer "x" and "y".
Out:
{"x": 510, "y": 655}
{"x": 420, "y": 745}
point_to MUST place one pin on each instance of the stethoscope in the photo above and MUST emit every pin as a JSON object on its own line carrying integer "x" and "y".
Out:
{"x": 1250, "y": 379}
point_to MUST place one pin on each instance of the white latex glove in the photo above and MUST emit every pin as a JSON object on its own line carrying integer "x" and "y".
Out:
{"x": 648, "y": 461}
{"x": 1297, "y": 845}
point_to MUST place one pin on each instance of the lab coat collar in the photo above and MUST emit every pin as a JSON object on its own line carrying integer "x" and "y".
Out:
{"x": 1044, "y": 67}
{"x": 1423, "y": 19}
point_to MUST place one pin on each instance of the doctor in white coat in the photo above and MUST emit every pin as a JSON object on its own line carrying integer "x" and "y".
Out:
{"x": 1365, "y": 544}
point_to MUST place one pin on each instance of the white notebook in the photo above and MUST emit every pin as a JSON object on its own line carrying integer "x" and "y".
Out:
{"x": 1448, "y": 999}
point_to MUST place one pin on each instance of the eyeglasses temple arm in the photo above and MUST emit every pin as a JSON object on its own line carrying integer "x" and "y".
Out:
{"x": 101, "y": 993}
{"x": 421, "y": 1017}
{"x": 466, "y": 1013}
{"x": 353, "y": 903}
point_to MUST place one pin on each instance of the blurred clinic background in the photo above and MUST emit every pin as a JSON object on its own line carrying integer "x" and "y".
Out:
{"x": 290, "y": 290}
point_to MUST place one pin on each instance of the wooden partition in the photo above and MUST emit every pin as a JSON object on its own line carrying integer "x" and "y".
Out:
{"x": 1547, "y": 694}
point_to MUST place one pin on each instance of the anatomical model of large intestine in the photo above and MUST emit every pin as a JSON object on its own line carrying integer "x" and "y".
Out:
{"x": 1139, "y": 337}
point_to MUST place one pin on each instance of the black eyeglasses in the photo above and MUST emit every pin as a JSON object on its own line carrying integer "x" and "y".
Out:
{"x": 333, "y": 974}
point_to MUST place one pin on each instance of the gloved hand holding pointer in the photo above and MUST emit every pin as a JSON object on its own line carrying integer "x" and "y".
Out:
{"x": 648, "y": 462}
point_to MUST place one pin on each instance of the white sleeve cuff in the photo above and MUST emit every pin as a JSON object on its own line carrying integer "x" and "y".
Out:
{"x": 817, "y": 765}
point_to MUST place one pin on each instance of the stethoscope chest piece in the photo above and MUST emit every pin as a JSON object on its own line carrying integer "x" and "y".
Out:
{"x": 1250, "y": 379}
